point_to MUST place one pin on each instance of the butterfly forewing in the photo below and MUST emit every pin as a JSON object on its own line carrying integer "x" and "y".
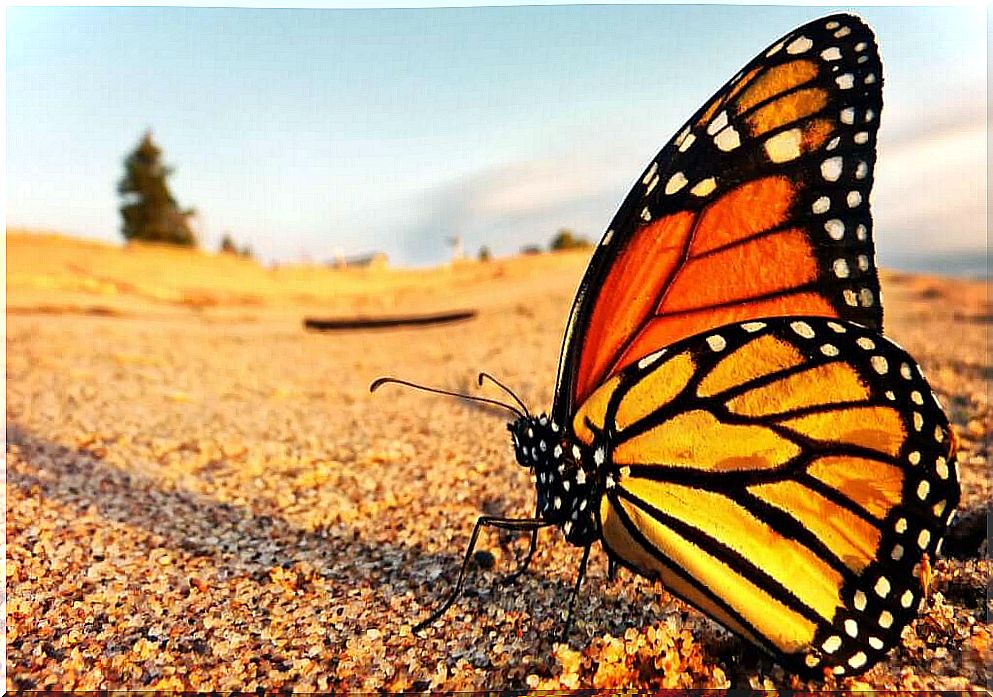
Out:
{"x": 784, "y": 475}
{"x": 758, "y": 207}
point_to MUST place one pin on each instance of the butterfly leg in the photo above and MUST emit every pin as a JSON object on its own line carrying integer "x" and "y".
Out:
{"x": 575, "y": 593}
{"x": 510, "y": 578}
{"x": 532, "y": 524}
{"x": 612, "y": 570}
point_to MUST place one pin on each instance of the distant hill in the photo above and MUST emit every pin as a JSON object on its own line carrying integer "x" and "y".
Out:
{"x": 59, "y": 273}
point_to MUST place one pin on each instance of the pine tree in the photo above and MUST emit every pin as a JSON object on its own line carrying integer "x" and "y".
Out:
{"x": 150, "y": 212}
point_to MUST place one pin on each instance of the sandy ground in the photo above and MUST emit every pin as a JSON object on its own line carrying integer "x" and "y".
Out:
{"x": 201, "y": 495}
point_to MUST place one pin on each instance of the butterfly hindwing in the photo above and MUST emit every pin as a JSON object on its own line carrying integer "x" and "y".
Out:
{"x": 786, "y": 476}
{"x": 759, "y": 206}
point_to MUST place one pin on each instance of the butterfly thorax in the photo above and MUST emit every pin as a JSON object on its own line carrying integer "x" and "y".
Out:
{"x": 565, "y": 477}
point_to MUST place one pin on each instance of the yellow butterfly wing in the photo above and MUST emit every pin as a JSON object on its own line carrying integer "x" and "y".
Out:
{"x": 785, "y": 476}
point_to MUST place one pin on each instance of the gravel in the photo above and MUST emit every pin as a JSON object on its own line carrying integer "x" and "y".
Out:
{"x": 198, "y": 504}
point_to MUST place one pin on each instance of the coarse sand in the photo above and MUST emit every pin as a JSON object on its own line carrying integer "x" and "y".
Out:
{"x": 203, "y": 496}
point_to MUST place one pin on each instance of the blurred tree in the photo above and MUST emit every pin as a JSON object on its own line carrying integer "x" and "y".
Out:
{"x": 484, "y": 253}
{"x": 567, "y": 239}
{"x": 150, "y": 212}
{"x": 247, "y": 251}
{"x": 228, "y": 245}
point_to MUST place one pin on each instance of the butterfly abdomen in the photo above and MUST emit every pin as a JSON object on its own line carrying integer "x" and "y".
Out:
{"x": 565, "y": 475}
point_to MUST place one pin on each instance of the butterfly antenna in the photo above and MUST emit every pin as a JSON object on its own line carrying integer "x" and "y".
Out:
{"x": 505, "y": 389}
{"x": 382, "y": 381}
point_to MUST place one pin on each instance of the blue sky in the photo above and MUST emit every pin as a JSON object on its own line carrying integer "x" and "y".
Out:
{"x": 303, "y": 132}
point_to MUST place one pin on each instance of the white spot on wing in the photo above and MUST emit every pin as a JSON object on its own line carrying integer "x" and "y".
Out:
{"x": 941, "y": 467}
{"x": 650, "y": 173}
{"x": 835, "y": 229}
{"x": 831, "y": 168}
{"x": 687, "y": 142}
{"x": 716, "y": 342}
{"x": 799, "y": 45}
{"x": 676, "y": 182}
{"x": 650, "y": 358}
{"x": 704, "y": 187}
{"x": 719, "y": 122}
{"x": 784, "y": 146}
{"x": 882, "y": 587}
{"x": 802, "y": 329}
{"x": 727, "y": 140}
{"x": 831, "y": 54}
{"x": 846, "y": 81}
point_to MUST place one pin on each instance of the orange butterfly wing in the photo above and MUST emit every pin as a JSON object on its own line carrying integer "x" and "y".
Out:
{"x": 759, "y": 207}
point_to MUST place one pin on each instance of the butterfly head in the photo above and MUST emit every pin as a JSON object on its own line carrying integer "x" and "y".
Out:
{"x": 565, "y": 482}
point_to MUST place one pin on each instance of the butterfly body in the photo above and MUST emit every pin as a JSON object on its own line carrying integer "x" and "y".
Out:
{"x": 728, "y": 416}
{"x": 568, "y": 481}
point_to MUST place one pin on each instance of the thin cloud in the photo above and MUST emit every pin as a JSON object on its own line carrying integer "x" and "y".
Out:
{"x": 517, "y": 204}
{"x": 930, "y": 191}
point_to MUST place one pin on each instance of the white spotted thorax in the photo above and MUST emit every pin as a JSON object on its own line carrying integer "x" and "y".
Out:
{"x": 565, "y": 476}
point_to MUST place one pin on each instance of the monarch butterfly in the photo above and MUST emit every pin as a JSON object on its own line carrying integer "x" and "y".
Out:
{"x": 727, "y": 415}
